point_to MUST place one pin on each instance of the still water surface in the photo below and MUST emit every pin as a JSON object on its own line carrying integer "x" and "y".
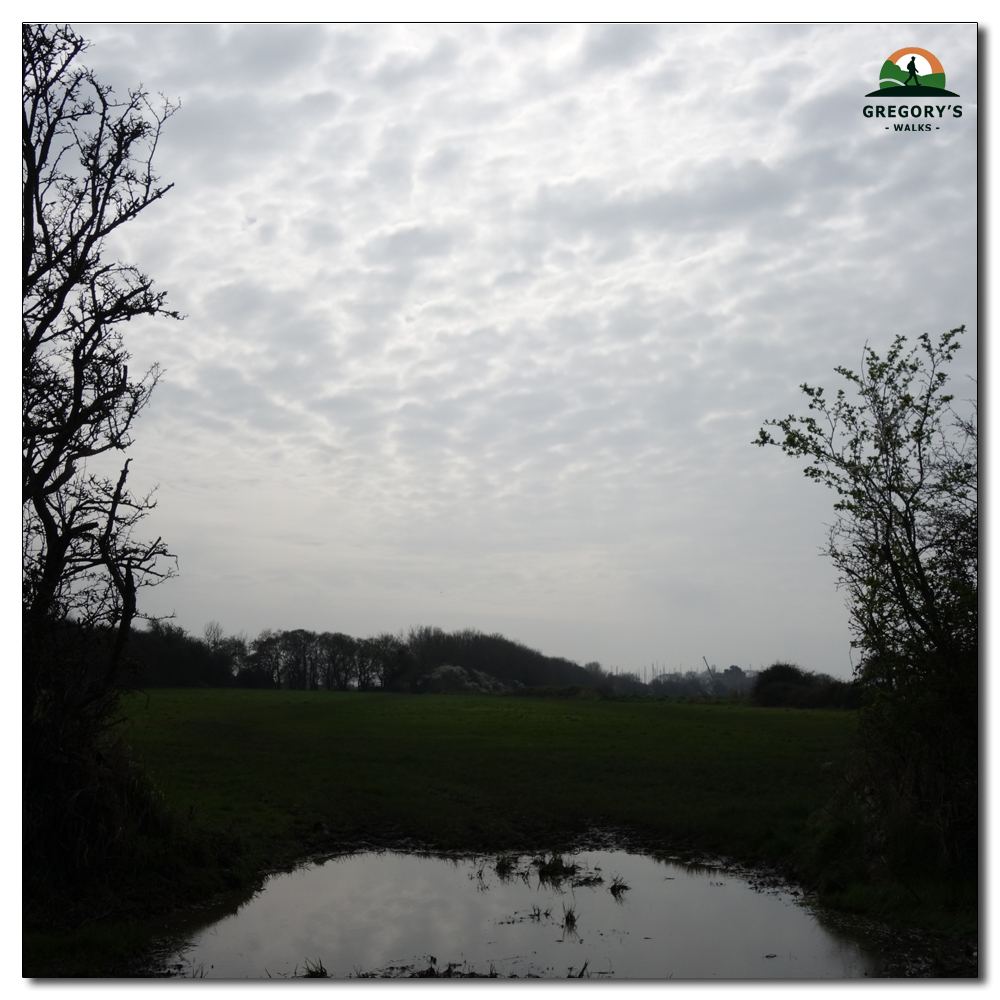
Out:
{"x": 390, "y": 914}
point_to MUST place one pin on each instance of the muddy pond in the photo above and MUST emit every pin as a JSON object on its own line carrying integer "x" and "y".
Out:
{"x": 592, "y": 914}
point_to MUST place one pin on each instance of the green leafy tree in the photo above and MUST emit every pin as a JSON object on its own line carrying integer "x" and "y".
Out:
{"x": 391, "y": 658}
{"x": 902, "y": 460}
{"x": 266, "y": 661}
{"x": 337, "y": 660}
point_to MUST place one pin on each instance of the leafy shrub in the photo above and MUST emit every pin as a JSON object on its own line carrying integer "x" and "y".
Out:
{"x": 785, "y": 685}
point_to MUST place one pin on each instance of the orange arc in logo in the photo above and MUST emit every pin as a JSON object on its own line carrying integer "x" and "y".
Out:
{"x": 936, "y": 66}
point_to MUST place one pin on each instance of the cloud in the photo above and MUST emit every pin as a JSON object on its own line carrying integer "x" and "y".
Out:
{"x": 410, "y": 243}
{"x": 401, "y": 69}
{"x": 506, "y": 306}
{"x": 618, "y": 45}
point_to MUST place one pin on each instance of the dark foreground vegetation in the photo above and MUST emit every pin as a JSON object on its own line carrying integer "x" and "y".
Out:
{"x": 88, "y": 811}
{"x": 901, "y": 456}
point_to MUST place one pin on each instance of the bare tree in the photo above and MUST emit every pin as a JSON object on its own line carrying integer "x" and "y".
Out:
{"x": 213, "y": 635}
{"x": 86, "y": 170}
{"x": 365, "y": 663}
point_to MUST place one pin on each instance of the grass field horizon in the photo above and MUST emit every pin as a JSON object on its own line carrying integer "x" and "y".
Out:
{"x": 487, "y": 772}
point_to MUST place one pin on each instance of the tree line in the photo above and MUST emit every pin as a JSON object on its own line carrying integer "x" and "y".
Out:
{"x": 165, "y": 655}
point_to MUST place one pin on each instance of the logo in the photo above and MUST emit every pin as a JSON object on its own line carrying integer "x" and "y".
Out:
{"x": 917, "y": 77}
{"x": 911, "y": 73}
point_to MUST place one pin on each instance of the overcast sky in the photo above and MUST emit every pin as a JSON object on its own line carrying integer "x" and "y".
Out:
{"x": 482, "y": 321}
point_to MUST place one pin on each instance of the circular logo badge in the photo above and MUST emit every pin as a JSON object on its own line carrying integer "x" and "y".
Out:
{"x": 913, "y": 72}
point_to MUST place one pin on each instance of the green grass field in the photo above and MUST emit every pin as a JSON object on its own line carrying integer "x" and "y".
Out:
{"x": 480, "y": 773}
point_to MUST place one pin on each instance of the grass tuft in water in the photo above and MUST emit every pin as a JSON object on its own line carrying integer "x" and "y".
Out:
{"x": 505, "y": 866}
{"x": 314, "y": 970}
{"x": 618, "y": 888}
{"x": 554, "y": 871}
